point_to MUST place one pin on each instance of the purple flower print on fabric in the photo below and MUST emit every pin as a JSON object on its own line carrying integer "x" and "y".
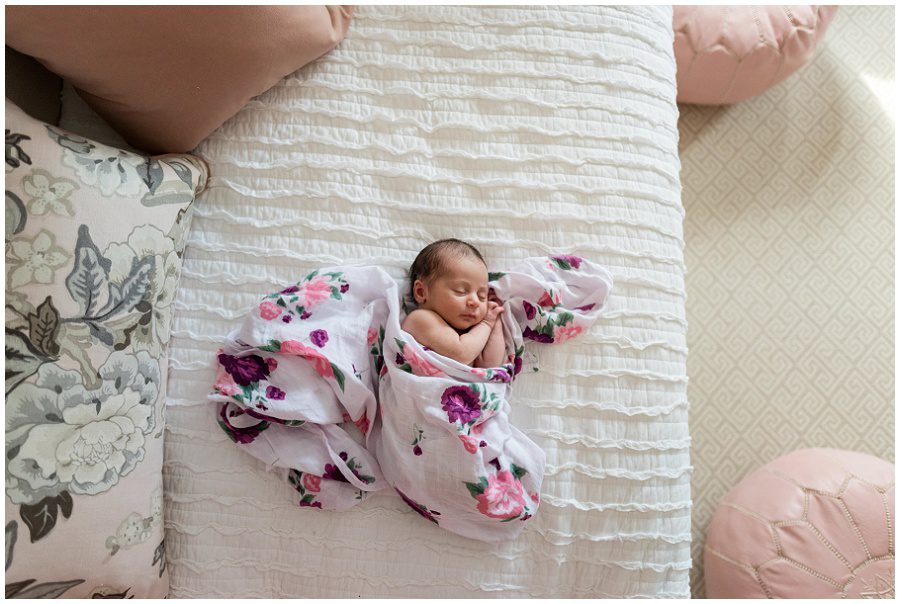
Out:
{"x": 332, "y": 472}
{"x": 585, "y": 308}
{"x": 400, "y": 359}
{"x": 418, "y": 507}
{"x": 531, "y": 334}
{"x": 419, "y": 437}
{"x": 345, "y": 288}
{"x": 305, "y": 316}
{"x": 500, "y": 375}
{"x": 275, "y": 393}
{"x": 241, "y": 436}
{"x": 461, "y": 403}
{"x": 529, "y": 310}
{"x": 287, "y": 318}
{"x": 290, "y": 290}
{"x": 319, "y": 337}
{"x": 517, "y": 368}
{"x": 274, "y": 420}
{"x": 245, "y": 370}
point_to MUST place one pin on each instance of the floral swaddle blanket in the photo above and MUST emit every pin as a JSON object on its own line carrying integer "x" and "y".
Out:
{"x": 321, "y": 382}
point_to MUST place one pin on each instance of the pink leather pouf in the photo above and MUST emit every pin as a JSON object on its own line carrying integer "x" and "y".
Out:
{"x": 815, "y": 523}
{"x": 726, "y": 54}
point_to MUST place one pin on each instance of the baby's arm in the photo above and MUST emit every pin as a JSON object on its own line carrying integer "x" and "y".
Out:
{"x": 494, "y": 351}
{"x": 432, "y": 331}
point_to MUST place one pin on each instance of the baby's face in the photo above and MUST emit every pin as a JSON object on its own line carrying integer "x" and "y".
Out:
{"x": 459, "y": 296}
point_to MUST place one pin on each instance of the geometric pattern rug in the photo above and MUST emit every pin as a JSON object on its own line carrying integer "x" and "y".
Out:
{"x": 789, "y": 243}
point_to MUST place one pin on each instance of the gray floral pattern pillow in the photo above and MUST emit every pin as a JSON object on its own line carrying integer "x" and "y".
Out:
{"x": 94, "y": 238}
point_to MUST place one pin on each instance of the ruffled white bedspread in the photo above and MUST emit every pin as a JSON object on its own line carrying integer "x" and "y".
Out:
{"x": 526, "y": 131}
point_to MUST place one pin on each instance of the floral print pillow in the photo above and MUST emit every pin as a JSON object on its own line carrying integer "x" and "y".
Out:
{"x": 94, "y": 239}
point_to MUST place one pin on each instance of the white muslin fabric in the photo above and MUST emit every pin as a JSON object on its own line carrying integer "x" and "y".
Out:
{"x": 326, "y": 356}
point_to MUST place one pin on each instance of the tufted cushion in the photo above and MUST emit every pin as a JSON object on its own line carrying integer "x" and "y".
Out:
{"x": 94, "y": 238}
{"x": 165, "y": 77}
{"x": 726, "y": 54}
{"x": 815, "y": 523}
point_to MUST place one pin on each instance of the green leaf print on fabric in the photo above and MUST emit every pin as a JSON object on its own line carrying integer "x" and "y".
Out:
{"x": 41, "y": 517}
{"x": 72, "y": 142}
{"x": 149, "y": 250}
{"x": 567, "y": 262}
{"x": 44, "y": 327}
{"x": 15, "y": 154}
{"x": 183, "y": 171}
{"x": 151, "y": 173}
{"x": 22, "y": 358}
{"x": 41, "y": 590}
{"x": 338, "y": 376}
{"x": 159, "y": 557}
{"x": 89, "y": 278}
{"x": 90, "y": 284}
{"x": 15, "y": 214}
{"x": 477, "y": 488}
{"x": 12, "y": 534}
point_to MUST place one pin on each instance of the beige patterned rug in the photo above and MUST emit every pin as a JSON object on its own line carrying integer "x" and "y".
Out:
{"x": 790, "y": 249}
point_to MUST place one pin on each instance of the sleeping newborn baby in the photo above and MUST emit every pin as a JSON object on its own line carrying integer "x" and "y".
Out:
{"x": 329, "y": 383}
{"x": 455, "y": 316}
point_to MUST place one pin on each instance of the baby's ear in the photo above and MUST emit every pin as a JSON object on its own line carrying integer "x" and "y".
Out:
{"x": 419, "y": 291}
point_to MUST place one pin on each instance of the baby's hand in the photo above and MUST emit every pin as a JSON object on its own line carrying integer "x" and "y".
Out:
{"x": 494, "y": 311}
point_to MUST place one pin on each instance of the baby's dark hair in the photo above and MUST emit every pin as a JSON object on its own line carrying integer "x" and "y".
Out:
{"x": 429, "y": 264}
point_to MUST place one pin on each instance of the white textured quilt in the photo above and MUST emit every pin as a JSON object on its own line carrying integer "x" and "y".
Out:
{"x": 525, "y": 131}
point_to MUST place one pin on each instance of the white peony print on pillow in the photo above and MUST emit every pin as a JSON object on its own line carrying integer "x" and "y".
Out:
{"x": 94, "y": 238}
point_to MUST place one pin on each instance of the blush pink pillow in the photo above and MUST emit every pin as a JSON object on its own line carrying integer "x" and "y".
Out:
{"x": 815, "y": 523}
{"x": 165, "y": 77}
{"x": 726, "y": 54}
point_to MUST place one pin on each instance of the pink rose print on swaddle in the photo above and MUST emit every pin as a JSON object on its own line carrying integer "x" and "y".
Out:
{"x": 319, "y": 361}
{"x": 500, "y": 495}
{"x": 299, "y": 300}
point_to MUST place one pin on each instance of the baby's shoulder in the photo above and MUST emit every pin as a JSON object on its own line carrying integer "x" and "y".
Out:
{"x": 423, "y": 322}
{"x": 422, "y": 317}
